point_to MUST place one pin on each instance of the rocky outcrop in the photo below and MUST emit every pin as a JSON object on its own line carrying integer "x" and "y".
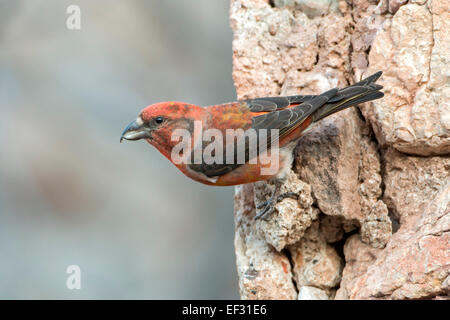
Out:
{"x": 413, "y": 49}
{"x": 372, "y": 216}
{"x": 264, "y": 272}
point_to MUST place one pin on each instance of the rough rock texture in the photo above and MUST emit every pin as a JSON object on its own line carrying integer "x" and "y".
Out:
{"x": 416, "y": 262}
{"x": 340, "y": 146}
{"x": 414, "y": 51}
{"x": 263, "y": 272}
{"x": 316, "y": 263}
{"x": 294, "y": 216}
{"x": 412, "y": 182}
{"x": 361, "y": 174}
{"x": 358, "y": 257}
{"x": 312, "y": 293}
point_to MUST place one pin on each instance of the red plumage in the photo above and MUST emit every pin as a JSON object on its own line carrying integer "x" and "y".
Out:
{"x": 289, "y": 116}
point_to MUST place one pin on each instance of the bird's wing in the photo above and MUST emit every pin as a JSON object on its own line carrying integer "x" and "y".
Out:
{"x": 285, "y": 120}
{"x": 277, "y": 115}
{"x": 269, "y": 104}
{"x": 273, "y": 103}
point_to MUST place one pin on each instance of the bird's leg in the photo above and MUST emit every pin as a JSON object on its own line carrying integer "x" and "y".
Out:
{"x": 279, "y": 198}
{"x": 287, "y": 195}
{"x": 269, "y": 205}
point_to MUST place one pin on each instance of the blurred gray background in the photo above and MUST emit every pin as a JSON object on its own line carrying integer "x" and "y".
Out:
{"x": 69, "y": 192}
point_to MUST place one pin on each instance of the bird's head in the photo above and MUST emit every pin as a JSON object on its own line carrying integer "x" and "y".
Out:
{"x": 157, "y": 122}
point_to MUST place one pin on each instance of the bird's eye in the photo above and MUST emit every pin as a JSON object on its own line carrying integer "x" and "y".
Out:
{"x": 159, "y": 120}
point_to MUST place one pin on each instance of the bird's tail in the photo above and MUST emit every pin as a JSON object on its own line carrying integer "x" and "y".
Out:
{"x": 363, "y": 91}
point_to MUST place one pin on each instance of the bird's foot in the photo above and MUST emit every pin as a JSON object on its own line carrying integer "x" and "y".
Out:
{"x": 268, "y": 209}
{"x": 285, "y": 195}
{"x": 263, "y": 204}
{"x": 269, "y": 206}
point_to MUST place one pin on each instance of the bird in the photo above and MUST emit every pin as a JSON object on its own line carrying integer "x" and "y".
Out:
{"x": 286, "y": 118}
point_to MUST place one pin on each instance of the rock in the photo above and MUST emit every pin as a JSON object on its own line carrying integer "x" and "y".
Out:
{"x": 337, "y": 158}
{"x": 411, "y": 182}
{"x": 415, "y": 263}
{"x": 442, "y": 298}
{"x": 256, "y": 49}
{"x": 376, "y": 228}
{"x": 326, "y": 152}
{"x": 312, "y": 293}
{"x": 292, "y": 217}
{"x": 331, "y": 228}
{"x": 414, "y": 116}
{"x": 312, "y": 8}
{"x": 368, "y": 18}
{"x": 394, "y": 5}
{"x": 372, "y": 172}
{"x": 316, "y": 263}
{"x": 263, "y": 272}
{"x": 358, "y": 257}
{"x": 417, "y": 191}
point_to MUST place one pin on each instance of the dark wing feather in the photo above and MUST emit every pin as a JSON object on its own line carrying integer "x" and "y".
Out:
{"x": 267, "y": 104}
{"x": 274, "y": 103}
{"x": 286, "y": 120}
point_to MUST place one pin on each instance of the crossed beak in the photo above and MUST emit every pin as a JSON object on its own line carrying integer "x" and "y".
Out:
{"x": 136, "y": 131}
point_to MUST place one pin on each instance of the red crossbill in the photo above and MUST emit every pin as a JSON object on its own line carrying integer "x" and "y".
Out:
{"x": 161, "y": 124}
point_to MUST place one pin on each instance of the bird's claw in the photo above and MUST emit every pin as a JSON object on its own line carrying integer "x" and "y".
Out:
{"x": 262, "y": 204}
{"x": 287, "y": 195}
{"x": 269, "y": 205}
{"x": 265, "y": 213}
